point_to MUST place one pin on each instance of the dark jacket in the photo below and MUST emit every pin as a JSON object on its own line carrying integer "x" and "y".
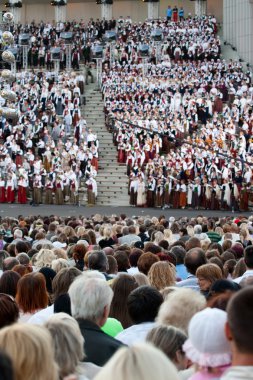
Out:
{"x": 98, "y": 346}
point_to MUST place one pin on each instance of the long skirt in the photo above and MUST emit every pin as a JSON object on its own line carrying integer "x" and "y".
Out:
{"x": 37, "y": 195}
{"x": 10, "y": 195}
{"x": 2, "y": 195}
{"x": 182, "y": 199}
{"x": 176, "y": 199}
{"x": 22, "y": 194}
{"x": 133, "y": 197}
{"x": 91, "y": 197}
{"x": 158, "y": 200}
{"x": 59, "y": 200}
{"x": 49, "y": 197}
{"x": 150, "y": 198}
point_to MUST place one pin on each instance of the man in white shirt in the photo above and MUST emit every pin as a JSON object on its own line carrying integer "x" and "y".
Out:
{"x": 239, "y": 332}
{"x": 143, "y": 304}
{"x": 248, "y": 259}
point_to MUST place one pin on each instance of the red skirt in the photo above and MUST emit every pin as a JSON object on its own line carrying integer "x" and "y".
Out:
{"x": 121, "y": 156}
{"x": 10, "y": 196}
{"x": 2, "y": 195}
{"x": 94, "y": 162}
{"x": 22, "y": 194}
{"x": 182, "y": 199}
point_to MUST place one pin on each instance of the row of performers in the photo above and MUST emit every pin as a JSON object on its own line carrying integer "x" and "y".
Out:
{"x": 52, "y": 192}
{"x": 195, "y": 194}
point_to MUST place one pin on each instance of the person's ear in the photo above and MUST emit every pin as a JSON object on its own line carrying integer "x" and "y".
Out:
{"x": 228, "y": 332}
{"x": 177, "y": 357}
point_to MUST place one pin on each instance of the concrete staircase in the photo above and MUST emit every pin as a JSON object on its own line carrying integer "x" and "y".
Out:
{"x": 112, "y": 180}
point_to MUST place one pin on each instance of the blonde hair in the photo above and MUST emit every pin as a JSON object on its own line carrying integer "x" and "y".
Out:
{"x": 44, "y": 258}
{"x": 68, "y": 342}
{"x": 190, "y": 230}
{"x": 31, "y": 352}
{"x": 205, "y": 244}
{"x": 58, "y": 264}
{"x": 107, "y": 232}
{"x": 159, "y": 236}
{"x": 162, "y": 274}
{"x": 168, "y": 235}
{"x": 69, "y": 231}
{"x": 142, "y": 362}
{"x": 141, "y": 279}
{"x": 80, "y": 231}
{"x": 179, "y": 307}
{"x": 60, "y": 253}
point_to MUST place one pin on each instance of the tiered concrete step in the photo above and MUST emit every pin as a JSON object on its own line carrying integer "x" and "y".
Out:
{"x": 112, "y": 180}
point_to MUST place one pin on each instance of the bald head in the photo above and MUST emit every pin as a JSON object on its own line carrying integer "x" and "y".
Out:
{"x": 194, "y": 258}
{"x": 108, "y": 251}
{"x": 10, "y": 263}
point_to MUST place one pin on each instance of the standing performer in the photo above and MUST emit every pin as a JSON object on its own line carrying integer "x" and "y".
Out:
{"x": 141, "y": 193}
{"x": 49, "y": 186}
{"x": 10, "y": 189}
{"x": 151, "y": 192}
{"x": 133, "y": 190}
{"x": 59, "y": 200}
{"x": 74, "y": 198}
{"x": 2, "y": 190}
{"x": 22, "y": 188}
{"x": 91, "y": 191}
{"x": 182, "y": 197}
{"x": 37, "y": 186}
{"x": 159, "y": 194}
{"x": 196, "y": 194}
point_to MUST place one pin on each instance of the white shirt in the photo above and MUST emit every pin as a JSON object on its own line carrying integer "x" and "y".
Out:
{"x": 248, "y": 273}
{"x": 136, "y": 333}
{"x": 42, "y": 316}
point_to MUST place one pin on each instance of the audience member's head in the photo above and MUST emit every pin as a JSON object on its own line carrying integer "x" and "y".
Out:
{"x": 122, "y": 286}
{"x": 143, "y": 304}
{"x": 194, "y": 258}
{"x": 9, "y": 282}
{"x": 97, "y": 260}
{"x": 27, "y": 347}
{"x": 9, "y": 310}
{"x": 68, "y": 343}
{"x": 207, "y": 346}
{"x": 32, "y": 293}
{"x": 184, "y": 299}
{"x": 239, "y": 329}
{"x": 90, "y": 299}
{"x": 141, "y": 361}
{"x": 170, "y": 340}
{"x": 162, "y": 274}
{"x": 146, "y": 261}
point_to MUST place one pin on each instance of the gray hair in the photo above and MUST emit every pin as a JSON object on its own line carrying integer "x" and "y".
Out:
{"x": 18, "y": 234}
{"x": 197, "y": 229}
{"x": 3, "y": 255}
{"x": 68, "y": 342}
{"x": 89, "y": 297}
{"x": 23, "y": 258}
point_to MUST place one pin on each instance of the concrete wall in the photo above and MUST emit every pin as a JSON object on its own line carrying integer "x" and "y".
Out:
{"x": 238, "y": 26}
{"x": 78, "y": 9}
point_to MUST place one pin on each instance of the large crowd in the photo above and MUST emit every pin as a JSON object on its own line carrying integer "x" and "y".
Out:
{"x": 181, "y": 117}
{"x": 111, "y": 297}
{"x": 48, "y": 148}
